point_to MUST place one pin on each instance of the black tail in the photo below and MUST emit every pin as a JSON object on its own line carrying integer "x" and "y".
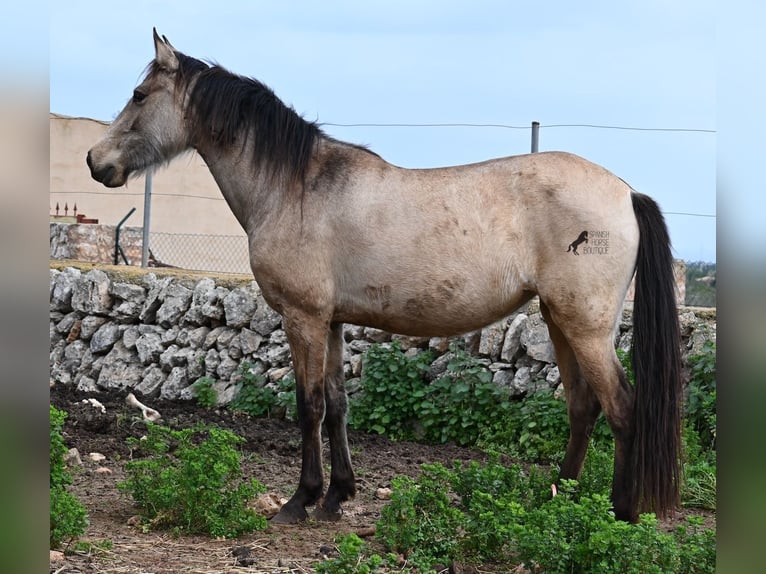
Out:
{"x": 656, "y": 358}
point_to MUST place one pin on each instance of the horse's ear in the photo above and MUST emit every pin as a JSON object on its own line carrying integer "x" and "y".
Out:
{"x": 164, "y": 52}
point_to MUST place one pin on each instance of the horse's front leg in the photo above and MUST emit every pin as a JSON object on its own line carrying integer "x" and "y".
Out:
{"x": 342, "y": 483}
{"x": 308, "y": 340}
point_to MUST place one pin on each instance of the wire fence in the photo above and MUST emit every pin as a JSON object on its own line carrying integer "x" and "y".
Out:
{"x": 214, "y": 253}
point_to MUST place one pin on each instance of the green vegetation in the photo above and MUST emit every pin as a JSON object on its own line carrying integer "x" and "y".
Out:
{"x": 500, "y": 515}
{"x": 495, "y": 514}
{"x": 255, "y": 397}
{"x": 191, "y": 481}
{"x": 398, "y": 402}
{"x": 700, "y": 284}
{"x": 68, "y": 517}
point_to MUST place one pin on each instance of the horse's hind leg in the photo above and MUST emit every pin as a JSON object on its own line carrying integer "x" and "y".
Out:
{"x": 342, "y": 484}
{"x": 583, "y": 407}
{"x": 604, "y": 374}
{"x": 590, "y": 364}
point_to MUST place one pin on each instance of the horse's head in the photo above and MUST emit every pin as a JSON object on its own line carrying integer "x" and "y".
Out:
{"x": 150, "y": 129}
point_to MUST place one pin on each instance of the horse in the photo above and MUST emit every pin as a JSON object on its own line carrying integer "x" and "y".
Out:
{"x": 338, "y": 235}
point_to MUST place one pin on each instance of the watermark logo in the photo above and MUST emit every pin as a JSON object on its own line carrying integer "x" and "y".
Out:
{"x": 596, "y": 242}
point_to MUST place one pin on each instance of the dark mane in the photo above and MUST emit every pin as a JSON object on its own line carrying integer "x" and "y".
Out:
{"x": 224, "y": 109}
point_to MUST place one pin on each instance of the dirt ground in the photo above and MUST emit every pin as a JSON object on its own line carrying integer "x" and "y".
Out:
{"x": 272, "y": 456}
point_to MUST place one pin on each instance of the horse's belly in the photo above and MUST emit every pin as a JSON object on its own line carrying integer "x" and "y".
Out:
{"x": 439, "y": 312}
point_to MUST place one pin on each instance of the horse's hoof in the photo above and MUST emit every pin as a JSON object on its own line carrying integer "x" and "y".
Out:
{"x": 289, "y": 515}
{"x": 323, "y": 515}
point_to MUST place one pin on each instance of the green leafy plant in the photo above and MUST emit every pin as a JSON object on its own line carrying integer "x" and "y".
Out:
{"x": 392, "y": 388}
{"x": 258, "y": 398}
{"x": 68, "y": 517}
{"x": 353, "y": 558}
{"x": 462, "y": 402}
{"x": 478, "y": 513}
{"x": 204, "y": 392}
{"x": 191, "y": 481}
{"x": 700, "y": 404}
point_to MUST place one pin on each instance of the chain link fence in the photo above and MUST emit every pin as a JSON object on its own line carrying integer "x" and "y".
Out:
{"x": 214, "y": 253}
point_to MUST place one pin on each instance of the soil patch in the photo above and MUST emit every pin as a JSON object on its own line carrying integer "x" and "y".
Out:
{"x": 272, "y": 456}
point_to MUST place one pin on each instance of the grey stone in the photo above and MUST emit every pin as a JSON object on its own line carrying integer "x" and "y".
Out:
{"x": 85, "y": 384}
{"x": 75, "y": 351}
{"x": 149, "y": 348}
{"x": 170, "y": 335}
{"x": 376, "y": 335}
{"x": 239, "y": 306}
{"x": 491, "y": 340}
{"x": 408, "y": 343}
{"x": 90, "y": 325}
{"x": 197, "y": 337}
{"x": 171, "y": 358}
{"x": 121, "y": 369}
{"x": 503, "y": 378}
{"x": 512, "y": 342}
{"x": 176, "y": 382}
{"x": 536, "y": 341}
{"x": 65, "y": 281}
{"x": 154, "y": 297}
{"x": 66, "y": 324}
{"x": 176, "y": 300}
{"x": 553, "y": 378}
{"x": 91, "y": 293}
{"x": 129, "y": 300}
{"x": 130, "y": 336}
{"x": 212, "y": 360}
{"x": 521, "y": 380}
{"x": 265, "y": 319}
{"x": 249, "y": 341}
{"x": 152, "y": 380}
{"x": 227, "y": 367}
{"x": 106, "y": 336}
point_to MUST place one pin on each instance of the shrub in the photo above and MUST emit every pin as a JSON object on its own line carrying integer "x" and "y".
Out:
{"x": 462, "y": 402}
{"x": 700, "y": 405}
{"x": 68, "y": 517}
{"x": 480, "y": 513}
{"x": 259, "y": 399}
{"x": 392, "y": 390}
{"x": 191, "y": 481}
{"x": 353, "y": 558}
{"x": 205, "y": 393}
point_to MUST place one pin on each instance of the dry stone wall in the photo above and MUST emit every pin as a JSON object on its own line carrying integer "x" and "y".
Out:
{"x": 158, "y": 334}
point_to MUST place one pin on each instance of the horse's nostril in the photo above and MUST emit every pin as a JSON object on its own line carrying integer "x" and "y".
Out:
{"x": 89, "y": 161}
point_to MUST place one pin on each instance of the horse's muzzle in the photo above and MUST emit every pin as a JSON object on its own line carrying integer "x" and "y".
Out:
{"x": 103, "y": 174}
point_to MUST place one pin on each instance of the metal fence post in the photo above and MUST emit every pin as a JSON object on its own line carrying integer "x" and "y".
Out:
{"x": 147, "y": 219}
{"x": 535, "y": 136}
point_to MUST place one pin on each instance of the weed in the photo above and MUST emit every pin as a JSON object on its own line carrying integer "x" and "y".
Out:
{"x": 191, "y": 481}
{"x": 68, "y": 517}
{"x": 392, "y": 390}
{"x": 353, "y": 558}
{"x": 478, "y": 513}
{"x": 260, "y": 399}
{"x": 700, "y": 405}
{"x": 204, "y": 392}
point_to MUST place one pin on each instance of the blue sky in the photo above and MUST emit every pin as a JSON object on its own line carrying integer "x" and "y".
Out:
{"x": 635, "y": 64}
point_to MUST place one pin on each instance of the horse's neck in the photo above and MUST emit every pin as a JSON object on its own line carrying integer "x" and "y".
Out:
{"x": 248, "y": 194}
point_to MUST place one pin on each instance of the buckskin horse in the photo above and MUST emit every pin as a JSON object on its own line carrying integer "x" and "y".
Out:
{"x": 338, "y": 235}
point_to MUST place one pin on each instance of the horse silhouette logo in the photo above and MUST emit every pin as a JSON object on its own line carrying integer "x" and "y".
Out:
{"x": 582, "y": 238}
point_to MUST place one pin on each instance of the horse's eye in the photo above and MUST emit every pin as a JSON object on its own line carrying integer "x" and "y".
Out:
{"x": 138, "y": 97}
